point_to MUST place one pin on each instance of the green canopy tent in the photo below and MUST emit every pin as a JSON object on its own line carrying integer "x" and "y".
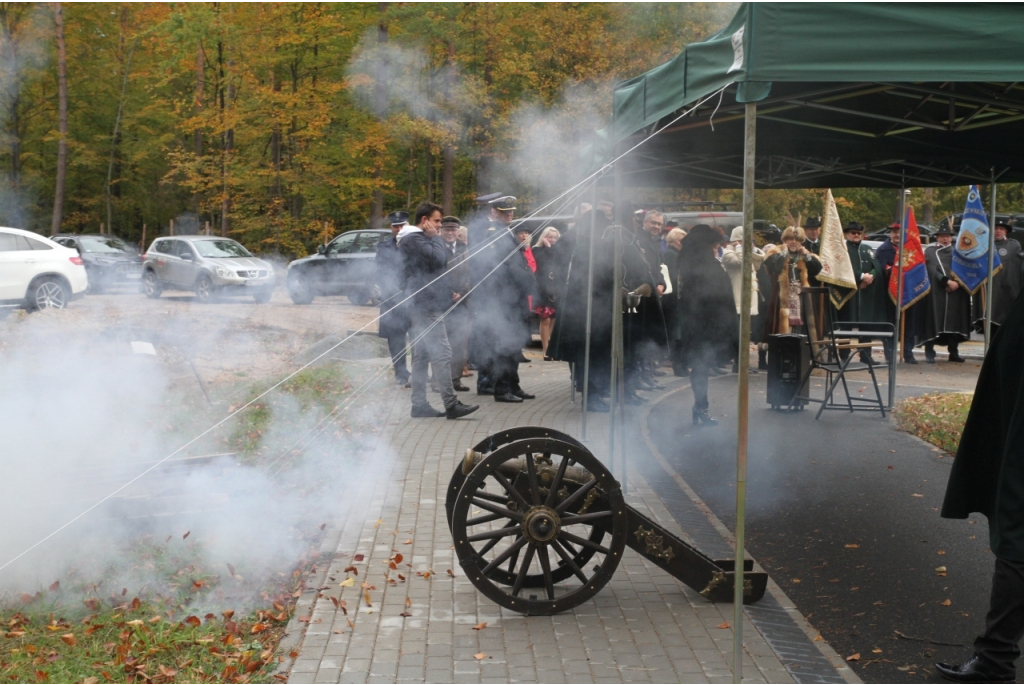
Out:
{"x": 823, "y": 95}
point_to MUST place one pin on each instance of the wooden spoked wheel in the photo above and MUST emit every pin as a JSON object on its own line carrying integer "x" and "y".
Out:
{"x": 532, "y": 508}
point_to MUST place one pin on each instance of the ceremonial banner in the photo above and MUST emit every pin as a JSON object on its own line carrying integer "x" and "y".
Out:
{"x": 915, "y": 274}
{"x": 836, "y": 269}
{"x": 970, "y": 252}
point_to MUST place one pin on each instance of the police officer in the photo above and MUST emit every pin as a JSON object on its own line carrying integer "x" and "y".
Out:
{"x": 394, "y": 319}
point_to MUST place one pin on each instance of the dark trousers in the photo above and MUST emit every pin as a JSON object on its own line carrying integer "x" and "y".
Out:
{"x": 396, "y": 349}
{"x": 1004, "y": 624}
{"x": 699, "y": 383}
{"x": 505, "y": 370}
{"x": 458, "y": 324}
{"x": 952, "y": 346}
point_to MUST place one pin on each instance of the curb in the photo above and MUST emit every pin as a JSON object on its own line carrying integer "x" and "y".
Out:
{"x": 774, "y": 590}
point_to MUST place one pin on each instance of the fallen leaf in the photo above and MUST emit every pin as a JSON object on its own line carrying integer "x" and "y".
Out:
{"x": 940, "y": 570}
{"x": 377, "y": 524}
{"x": 186, "y": 535}
{"x": 480, "y": 626}
{"x": 167, "y": 672}
{"x": 797, "y": 580}
{"x": 450, "y": 573}
{"x": 348, "y": 582}
{"x": 479, "y": 656}
{"x": 817, "y": 638}
{"x": 352, "y": 569}
{"x": 359, "y": 557}
{"x": 916, "y": 495}
{"x": 91, "y": 680}
{"x": 398, "y": 558}
{"x": 231, "y": 570}
{"x": 392, "y": 566}
{"x": 335, "y": 601}
{"x": 366, "y": 596}
{"x": 138, "y": 622}
{"x": 231, "y": 612}
{"x": 350, "y": 623}
{"x": 408, "y": 602}
{"x": 401, "y": 577}
{"x": 889, "y": 468}
{"x": 192, "y": 621}
{"x": 876, "y": 650}
{"x": 407, "y": 542}
{"x": 69, "y": 639}
{"x": 343, "y": 606}
{"x": 156, "y": 619}
{"x": 941, "y": 551}
{"x": 405, "y": 614}
{"x": 723, "y": 626}
{"x": 426, "y": 574}
{"x": 852, "y": 545}
{"x": 55, "y": 587}
{"x": 323, "y": 526}
{"x": 92, "y": 604}
{"x": 854, "y": 657}
{"x": 946, "y": 603}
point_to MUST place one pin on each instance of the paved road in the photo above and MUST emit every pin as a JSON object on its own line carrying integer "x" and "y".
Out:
{"x": 843, "y": 513}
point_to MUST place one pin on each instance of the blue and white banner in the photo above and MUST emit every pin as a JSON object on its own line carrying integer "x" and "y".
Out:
{"x": 970, "y": 254}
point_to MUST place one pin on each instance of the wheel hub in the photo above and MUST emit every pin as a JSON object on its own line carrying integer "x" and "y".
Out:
{"x": 541, "y": 525}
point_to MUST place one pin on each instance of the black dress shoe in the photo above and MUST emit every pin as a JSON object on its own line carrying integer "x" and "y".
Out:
{"x": 973, "y": 671}
{"x": 596, "y": 404}
{"x": 955, "y": 357}
{"x": 425, "y": 411}
{"x": 523, "y": 359}
{"x": 459, "y": 386}
{"x": 700, "y": 415}
{"x": 484, "y": 390}
{"x": 633, "y": 399}
{"x": 929, "y": 360}
{"x": 507, "y": 397}
{"x": 458, "y": 410}
{"x": 910, "y": 360}
{"x": 519, "y": 392}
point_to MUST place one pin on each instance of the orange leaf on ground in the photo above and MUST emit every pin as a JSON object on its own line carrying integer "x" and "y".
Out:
{"x": 366, "y": 596}
{"x": 69, "y": 639}
{"x": 450, "y": 573}
{"x": 405, "y": 614}
{"x": 479, "y": 656}
{"x": 359, "y": 557}
{"x": 723, "y": 626}
{"x": 186, "y": 535}
{"x": 480, "y": 626}
{"x": 352, "y": 569}
{"x": 947, "y": 602}
{"x": 398, "y": 558}
{"x": 854, "y": 657}
{"x": 55, "y": 586}
{"x": 231, "y": 612}
{"x": 192, "y": 621}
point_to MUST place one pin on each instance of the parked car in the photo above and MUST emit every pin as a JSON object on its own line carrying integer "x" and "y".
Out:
{"x": 37, "y": 273}
{"x": 345, "y": 266}
{"x": 208, "y": 266}
{"x": 1014, "y": 221}
{"x": 108, "y": 259}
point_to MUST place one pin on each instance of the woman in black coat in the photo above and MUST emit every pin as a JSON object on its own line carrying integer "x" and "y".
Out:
{"x": 706, "y": 313}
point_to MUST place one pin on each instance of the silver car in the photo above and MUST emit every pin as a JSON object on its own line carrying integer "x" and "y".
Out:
{"x": 207, "y": 265}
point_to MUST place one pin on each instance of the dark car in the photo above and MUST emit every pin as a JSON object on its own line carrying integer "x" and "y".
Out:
{"x": 345, "y": 266}
{"x": 108, "y": 259}
{"x": 1014, "y": 221}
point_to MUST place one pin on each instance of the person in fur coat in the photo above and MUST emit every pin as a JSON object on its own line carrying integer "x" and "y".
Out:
{"x": 790, "y": 271}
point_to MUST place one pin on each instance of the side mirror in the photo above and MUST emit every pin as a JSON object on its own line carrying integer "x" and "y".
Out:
{"x": 187, "y": 257}
{"x": 321, "y": 249}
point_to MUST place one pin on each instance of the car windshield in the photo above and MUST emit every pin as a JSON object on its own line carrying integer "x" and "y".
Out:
{"x": 220, "y": 248}
{"x": 94, "y": 244}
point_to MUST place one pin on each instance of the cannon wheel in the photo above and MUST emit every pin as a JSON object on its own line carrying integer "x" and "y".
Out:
{"x": 541, "y": 526}
{"x": 579, "y": 554}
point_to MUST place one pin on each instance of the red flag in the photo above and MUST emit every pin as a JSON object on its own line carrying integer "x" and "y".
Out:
{"x": 911, "y": 259}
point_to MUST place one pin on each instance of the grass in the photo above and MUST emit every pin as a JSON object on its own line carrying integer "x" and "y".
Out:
{"x": 938, "y": 419}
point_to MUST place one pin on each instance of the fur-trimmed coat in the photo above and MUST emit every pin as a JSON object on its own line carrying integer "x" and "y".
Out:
{"x": 778, "y": 267}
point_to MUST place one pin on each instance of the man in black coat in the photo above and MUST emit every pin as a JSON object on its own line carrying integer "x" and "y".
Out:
{"x": 1006, "y": 284}
{"x": 988, "y": 477}
{"x": 644, "y": 333}
{"x": 913, "y": 317}
{"x": 458, "y": 322}
{"x": 394, "y": 322}
{"x": 948, "y": 318}
{"x": 424, "y": 260}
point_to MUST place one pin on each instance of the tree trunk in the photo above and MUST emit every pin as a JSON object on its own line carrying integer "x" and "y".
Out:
{"x": 448, "y": 170}
{"x": 200, "y": 83}
{"x": 430, "y": 174}
{"x": 62, "y": 113}
{"x": 227, "y": 144}
{"x": 928, "y": 211}
{"x": 380, "y": 98}
{"x": 115, "y": 140}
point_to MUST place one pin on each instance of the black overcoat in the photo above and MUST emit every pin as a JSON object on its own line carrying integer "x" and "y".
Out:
{"x": 1006, "y": 284}
{"x": 988, "y": 471}
{"x": 394, "y": 321}
{"x": 949, "y": 316}
{"x": 706, "y": 309}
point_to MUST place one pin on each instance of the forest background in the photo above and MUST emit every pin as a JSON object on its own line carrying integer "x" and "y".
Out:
{"x": 284, "y": 124}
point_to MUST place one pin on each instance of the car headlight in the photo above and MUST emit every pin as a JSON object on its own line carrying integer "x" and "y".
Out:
{"x": 224, "y": 273}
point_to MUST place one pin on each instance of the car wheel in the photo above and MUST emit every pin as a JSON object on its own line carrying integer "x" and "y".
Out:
{"x": 48, "y": 293}
{"x": 360, "y": 297}
{"x": 151, "y": 284}
{"x": 204, "y": 289}
{"x": 262, "y": 296}
{"x": 300, "y": 289}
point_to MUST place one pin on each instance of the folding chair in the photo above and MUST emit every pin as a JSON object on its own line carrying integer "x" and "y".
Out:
{"x": 834, "y": 348}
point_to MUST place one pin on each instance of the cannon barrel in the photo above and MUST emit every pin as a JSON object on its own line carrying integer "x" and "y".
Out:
{"x": 545, "y": 469}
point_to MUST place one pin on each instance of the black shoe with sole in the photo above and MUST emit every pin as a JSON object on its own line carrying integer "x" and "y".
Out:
{"x": 425, "y": 411}
{"x": 484, "y": 391}
{"x": 459, "y": 386}
{"x": 522, "y": 394}
{"x": 701, "y": 416}
{"x": 458, "y": 410}
{"x": 955, "y": 357}
{"x": 596, "y": 404}
{"x": 910, "y": 360}
{"x": 973, "y": 671}
{"x": 507, "y": 397}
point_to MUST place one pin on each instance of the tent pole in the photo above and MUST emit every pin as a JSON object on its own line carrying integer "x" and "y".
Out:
{"x": 621, "y": 218}
{"x": 615, "y": 397}
{"x": 590, "y": 309}
{"x": 991, "y": 263}
{"x": 750, "y": 139}
{"x": 897, "y": 338}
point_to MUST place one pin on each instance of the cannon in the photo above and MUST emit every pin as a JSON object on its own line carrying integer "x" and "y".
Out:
{"x": 540, "y": 525}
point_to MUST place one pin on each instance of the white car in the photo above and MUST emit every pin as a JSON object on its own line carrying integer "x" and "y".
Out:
{"x": 37, "y": 273}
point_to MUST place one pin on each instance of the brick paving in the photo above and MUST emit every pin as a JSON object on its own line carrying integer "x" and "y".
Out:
{"x": 644, "y": 626}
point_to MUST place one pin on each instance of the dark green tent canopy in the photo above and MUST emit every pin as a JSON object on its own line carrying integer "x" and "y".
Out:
{"x": 851, "y": 94}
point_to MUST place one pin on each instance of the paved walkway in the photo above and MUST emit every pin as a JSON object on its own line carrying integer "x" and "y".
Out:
{"x": 644, "y": 626}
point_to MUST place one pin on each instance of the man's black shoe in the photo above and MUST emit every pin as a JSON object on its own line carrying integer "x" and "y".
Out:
{"x": 484, "y": 390}
{"x": 596, "y": 404}
{"x": 910, "y": 360}
{"x": 523, "y": 359}
{"x": 633, "y": 399}
{"x": 519, "y": 392}
{"x": 425, "y": 411}
{"x": 459, "y": 386}
{"x": 507, "y": 397}
{"x": 955, "y": 357}
{"x": 458, "y": 410}
{"x": 972, "y": 671}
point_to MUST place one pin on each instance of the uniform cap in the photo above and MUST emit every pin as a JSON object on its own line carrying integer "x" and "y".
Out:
{"x": 396, "y": 218}
{"x": 506, "y": 203}
{"x": 945, "y": 229}
{"x": 450, "y": 221}
{"x": 488, "y": 198}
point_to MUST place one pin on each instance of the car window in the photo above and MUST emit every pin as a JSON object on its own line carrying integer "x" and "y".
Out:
{"x": 38, "y": 244}
{"x": 183, "y": 249}
{"x": 8, "y": 242}
{"x": 220, "y": 248}
{"x": 342, "y": 244}
{"x": 164, "y": 246}
{"x": 97, "y": 244}
{"x": 367, "y": 242}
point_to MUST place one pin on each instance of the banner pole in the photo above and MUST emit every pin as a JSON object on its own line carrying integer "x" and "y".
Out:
{"x": 899, "y": 295}
{"x": 590, "y": 308}
{"x": 743, "y": 381}
{"x": 991, "y": 263}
